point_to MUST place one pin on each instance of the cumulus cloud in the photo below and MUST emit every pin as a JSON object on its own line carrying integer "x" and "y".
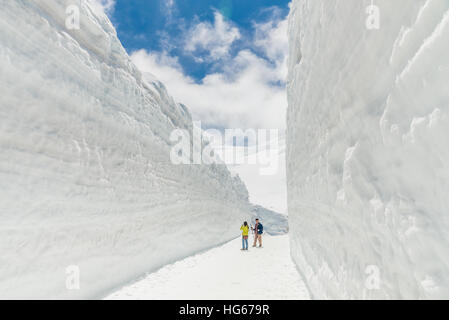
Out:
{"x": 242, "y": 96}
{"x": 271, "y": 37}
{"x": 247, "y": 92}
{"x": 164, "y": 67}
{"x": 215, "y": 39}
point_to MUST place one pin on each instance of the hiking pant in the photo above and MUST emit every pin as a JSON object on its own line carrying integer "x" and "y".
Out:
{"x": 257, "y": 237}
{"x": 245, "y": 242}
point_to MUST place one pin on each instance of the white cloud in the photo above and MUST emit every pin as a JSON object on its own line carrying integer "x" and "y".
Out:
{"x": 242, "y": 96}
{"x": 106, "y": 6}
{"x": 272, "y": 38}
{"x": 169, "y": 7}
{"x": 215, "y": 38}
{"x": 169, "y": 4}
{"x": 164, "y": 67}
{"x": 249, "y": 90}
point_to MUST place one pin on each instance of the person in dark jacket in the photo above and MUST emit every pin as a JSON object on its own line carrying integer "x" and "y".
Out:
{"x": 258, "y": 230}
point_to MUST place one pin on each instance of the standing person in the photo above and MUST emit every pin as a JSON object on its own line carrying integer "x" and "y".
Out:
{"x": 245, "y": 230}
{"x": 258, "y": 230}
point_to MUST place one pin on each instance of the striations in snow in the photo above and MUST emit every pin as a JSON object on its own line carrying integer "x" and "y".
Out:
{"x": 85, "y": 172}
{"x": 368, "y": 148}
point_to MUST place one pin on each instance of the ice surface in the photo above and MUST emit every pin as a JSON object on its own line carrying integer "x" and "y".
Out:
{"x": 85, "y": 173}
{"x": 368, "y": 148}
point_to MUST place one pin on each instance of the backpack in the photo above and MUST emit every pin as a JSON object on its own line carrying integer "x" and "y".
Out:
{"x": 260, "y": 228}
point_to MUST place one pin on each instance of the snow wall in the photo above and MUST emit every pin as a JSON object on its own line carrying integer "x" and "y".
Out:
{"x": 85, "y": 172}
{"x": 274, "y": 223}
{"x": 368, "y": 147}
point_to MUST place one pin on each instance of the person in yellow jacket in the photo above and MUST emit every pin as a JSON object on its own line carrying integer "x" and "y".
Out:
{"x": 245, "y": 231}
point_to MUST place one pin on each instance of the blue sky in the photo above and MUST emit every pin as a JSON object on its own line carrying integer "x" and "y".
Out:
{"x": 156, "y": 25}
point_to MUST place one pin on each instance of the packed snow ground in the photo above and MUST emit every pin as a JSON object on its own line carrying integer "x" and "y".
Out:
{"x": 225, "y": 272}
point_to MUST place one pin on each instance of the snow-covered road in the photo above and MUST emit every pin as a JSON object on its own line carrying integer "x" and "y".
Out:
{"x": 225, "y": 272}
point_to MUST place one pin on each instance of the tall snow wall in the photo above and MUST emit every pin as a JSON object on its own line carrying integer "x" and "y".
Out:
{"x": 88, "y": 191}
{"x": 368, "y": 147}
